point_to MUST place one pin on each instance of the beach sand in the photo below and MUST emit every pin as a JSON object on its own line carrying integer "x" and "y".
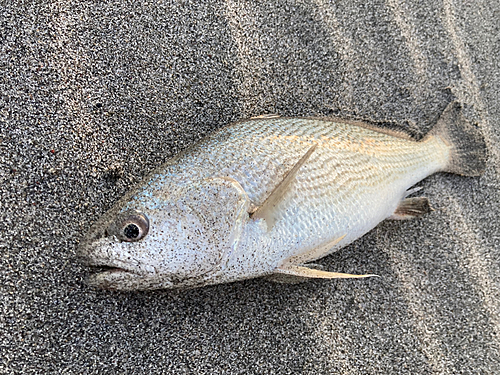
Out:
{"x": 95, "y": 94}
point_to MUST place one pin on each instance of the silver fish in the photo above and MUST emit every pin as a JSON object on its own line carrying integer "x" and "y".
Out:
{"x": 266, "y": 196}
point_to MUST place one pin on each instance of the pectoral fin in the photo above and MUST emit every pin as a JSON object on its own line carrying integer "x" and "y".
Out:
{"x": 410, "y": 208}
{"x": 303, "y": 271}
{"x": 265, "y": 211}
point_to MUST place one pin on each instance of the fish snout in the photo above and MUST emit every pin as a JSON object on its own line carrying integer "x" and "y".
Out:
{"x": 87, "y": 245}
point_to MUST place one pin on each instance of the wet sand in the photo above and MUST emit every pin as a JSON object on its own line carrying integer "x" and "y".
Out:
{"x": 94, "y": 95}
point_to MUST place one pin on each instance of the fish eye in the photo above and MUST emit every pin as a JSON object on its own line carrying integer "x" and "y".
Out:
{"x": 130, "y": 226}
{"x": 131, "y": 231}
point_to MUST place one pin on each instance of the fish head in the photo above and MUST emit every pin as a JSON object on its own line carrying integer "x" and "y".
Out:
{"x": 152, "y": 239}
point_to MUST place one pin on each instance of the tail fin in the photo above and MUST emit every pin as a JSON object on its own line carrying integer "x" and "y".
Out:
{"x": 468, "y": 149}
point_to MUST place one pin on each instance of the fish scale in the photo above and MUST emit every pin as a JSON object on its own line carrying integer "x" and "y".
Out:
{"x": 266, "y": 195}
{"x": 278, "y": 155}
{"x": 331, "y": 200}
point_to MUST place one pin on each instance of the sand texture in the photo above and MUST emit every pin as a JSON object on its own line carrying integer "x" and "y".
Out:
{"x": 95, "y": 94}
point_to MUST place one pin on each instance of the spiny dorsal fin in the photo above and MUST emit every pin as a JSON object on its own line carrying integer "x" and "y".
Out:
{"x": 302, "y": 271}
{"x": 265, "y": 211}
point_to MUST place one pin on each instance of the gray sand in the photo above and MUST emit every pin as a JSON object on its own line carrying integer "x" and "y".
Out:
{"x": 94, "y": 95}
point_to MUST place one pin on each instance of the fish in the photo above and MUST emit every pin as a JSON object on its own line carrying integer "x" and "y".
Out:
{"x": 267, "y": 196}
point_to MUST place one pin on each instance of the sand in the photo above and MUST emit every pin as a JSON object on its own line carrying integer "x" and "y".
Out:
{"x": 95, "y": 94}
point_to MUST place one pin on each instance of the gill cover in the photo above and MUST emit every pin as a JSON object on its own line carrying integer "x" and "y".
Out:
{"x": 215, "y": 211}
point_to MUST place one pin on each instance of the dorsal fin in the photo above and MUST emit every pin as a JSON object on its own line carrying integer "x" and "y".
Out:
{"x": 265, "y": 211}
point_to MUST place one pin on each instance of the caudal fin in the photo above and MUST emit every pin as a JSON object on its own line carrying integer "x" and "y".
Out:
{"x": 468, "y": 149}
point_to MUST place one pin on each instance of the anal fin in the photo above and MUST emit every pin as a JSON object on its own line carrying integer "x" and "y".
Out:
{"x": 282, "y": 278}
{"x": 410, "y": 208}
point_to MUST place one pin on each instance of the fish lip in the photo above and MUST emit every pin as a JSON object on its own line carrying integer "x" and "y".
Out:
{"x": 99, "y": 265}
{"x": 122, "y": 280}
{"x": 104, "y": 268}
{"x": 111, "y": 278}
{"x": 104, "y": 279}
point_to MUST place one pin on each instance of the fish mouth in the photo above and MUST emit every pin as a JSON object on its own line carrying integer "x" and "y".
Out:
{"x": 98, "y": 266}
{"x": 94, "y": 252}
{"x": 113, "y": 278}
{"x": 115, "y": 275}
{"x": 103, "y": 272}
{"x": 102, "y": 276}
{"x": 98, "y": 269}
{"x": 121, "y": 280}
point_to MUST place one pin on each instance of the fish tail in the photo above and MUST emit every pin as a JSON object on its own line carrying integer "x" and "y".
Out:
{"x": 468, "y": 151}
